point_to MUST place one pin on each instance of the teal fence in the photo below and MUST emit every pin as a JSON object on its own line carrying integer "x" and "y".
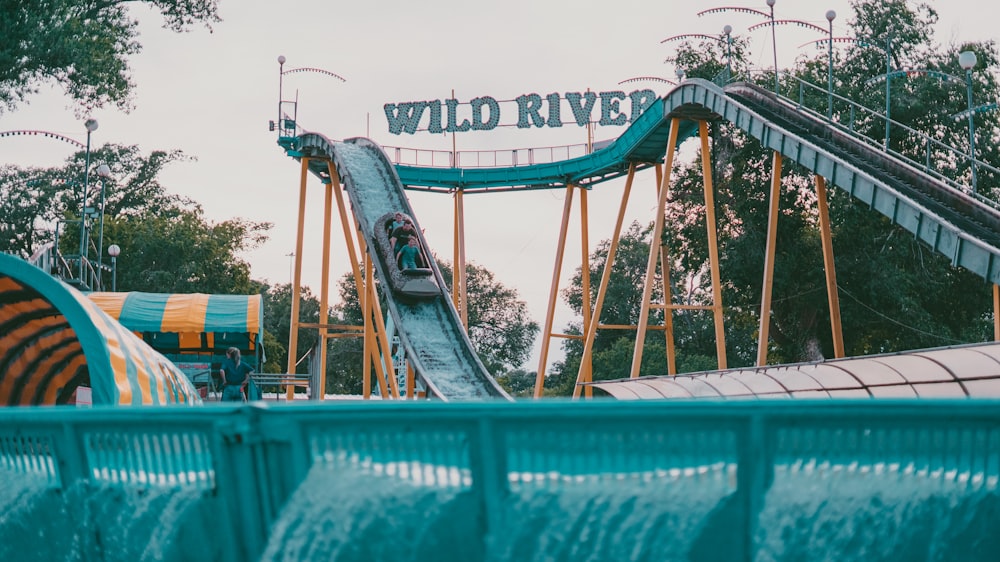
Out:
{"x": 754, "y": 480}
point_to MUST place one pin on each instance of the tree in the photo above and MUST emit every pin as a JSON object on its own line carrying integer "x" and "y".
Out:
{"x": 895, "y": 293}
{"x": 499, "y": 327}
{"x": 83, "y": 46}
{"x": 167, "y": 244}
{"x": 183, "y": 253}
{"x": 35, "y": 202}
{"x": 277, "y": 324}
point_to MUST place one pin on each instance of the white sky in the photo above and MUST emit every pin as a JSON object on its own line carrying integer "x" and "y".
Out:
{"x": 212, "y": 94}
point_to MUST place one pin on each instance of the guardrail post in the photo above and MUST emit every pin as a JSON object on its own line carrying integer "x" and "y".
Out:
{"x": 70, "y": 456}
{"x": 488, "y": 464}
{"x": 239, "y": 482}
{"x": 756, "y": 472}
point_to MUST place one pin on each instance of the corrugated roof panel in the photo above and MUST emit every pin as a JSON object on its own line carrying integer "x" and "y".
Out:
{"x": 940, "y": 390}
{"x": 916, "y": 368}
{"x": 849, "y": 393}
{"x": 619, "y": 391}
{"x": 728, "y": 385}
{"x": 984, "y": 388}
{"x": 670, "y": 387}
{"x": 646, "y": 389}
{"x": 967, "y": 363}
{"x": 956, "y": 372}
{"x": 831, "y": 375}
{"x": 872, "y": 372}
{"x": 811, "y": 394}
{"x": 761, "y": 383}
{"x": 794, "y": 379}
{"x": 894, "y": 391}
{"x": 697, "y": 386}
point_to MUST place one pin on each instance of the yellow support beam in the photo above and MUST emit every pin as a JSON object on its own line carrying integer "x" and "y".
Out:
{"x": 829, "y": 267}
{"x": 553, "y": 293}
{"x": 293, "y": 326}
{"x": 713, "y": 246}
{"x": 768, "y": 284}
{"x": 654, "y": 249}
{"x": 584, "y": 374}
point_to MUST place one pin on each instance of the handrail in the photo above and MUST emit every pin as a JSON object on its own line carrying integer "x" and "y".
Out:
{"x": 500, "y": 158}
{"x": 931, "y": 145}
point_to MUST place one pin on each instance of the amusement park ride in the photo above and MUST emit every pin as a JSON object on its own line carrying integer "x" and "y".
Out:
{"x": 946, "y": 215}
{"x": 484, "y": 479}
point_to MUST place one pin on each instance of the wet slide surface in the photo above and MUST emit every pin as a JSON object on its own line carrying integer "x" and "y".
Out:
{"x": 430, "y": 330}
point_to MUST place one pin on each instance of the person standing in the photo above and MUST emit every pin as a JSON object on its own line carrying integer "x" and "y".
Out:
{"x": 235, "y": 375}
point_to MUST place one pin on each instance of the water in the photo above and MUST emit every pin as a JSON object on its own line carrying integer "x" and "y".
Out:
{"x": 353, "y": 511}
{"x": 364, "y": 514}
{"x": 107, "y": 523}
{"x": 875, "y": 515}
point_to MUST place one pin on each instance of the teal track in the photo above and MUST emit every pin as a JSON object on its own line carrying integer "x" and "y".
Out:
{"x": 959, "y": 226}
{"x": 430, "y": 330}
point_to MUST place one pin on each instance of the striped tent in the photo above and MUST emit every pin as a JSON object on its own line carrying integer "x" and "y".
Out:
{"x": 181, "y": 323}
{"x": 54, "y": 339}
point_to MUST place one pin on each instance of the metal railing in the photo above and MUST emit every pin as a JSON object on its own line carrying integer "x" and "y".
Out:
{"x": 268, "y": 477}
{"x": 853, "y": 119}
{"x": 484, "y": 158}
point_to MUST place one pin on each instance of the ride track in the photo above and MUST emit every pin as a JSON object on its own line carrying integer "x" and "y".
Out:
{"x": 962, "y": 227}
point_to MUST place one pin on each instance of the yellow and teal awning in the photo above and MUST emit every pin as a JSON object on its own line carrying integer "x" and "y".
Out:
{"x": 54, "y": 339}
{"x": 188, "y": 322}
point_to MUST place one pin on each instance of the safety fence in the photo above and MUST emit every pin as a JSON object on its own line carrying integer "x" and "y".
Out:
{"x": 494, "y": 481}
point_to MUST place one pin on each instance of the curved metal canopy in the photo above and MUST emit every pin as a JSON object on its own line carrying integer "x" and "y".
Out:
{"x": 948, "y": 372}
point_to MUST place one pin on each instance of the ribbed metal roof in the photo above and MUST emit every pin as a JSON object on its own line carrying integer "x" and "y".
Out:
{"x": 949, "y": 372}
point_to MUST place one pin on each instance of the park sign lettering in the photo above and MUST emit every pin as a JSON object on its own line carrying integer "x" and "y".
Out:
{"x": 483, "y": 113}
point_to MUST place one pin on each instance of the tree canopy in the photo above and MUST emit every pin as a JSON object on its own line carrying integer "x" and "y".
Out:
{"x": 895, "y": 292}
{"x": 167, "y": 243}
{"x": 83, "y": 46}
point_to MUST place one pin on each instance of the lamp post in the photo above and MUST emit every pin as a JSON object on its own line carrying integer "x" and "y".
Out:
{"x": 281, "y": 83}
{"x": 280, "y": 125}
{"x": 773, "y": 23}
{"x": 967, "y": 60}
{"x": 91, "y": 125}
{"x": 728, "y": 30}
{"x": 113, "y": 251}
{"x": 830, "y": 16}
{"x": 104, "y": 172}
{"x": 774, "y": 45}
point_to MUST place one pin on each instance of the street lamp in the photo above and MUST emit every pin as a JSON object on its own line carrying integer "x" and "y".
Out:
{"x": 967, "y": 60}
{"x": 104, "y": 172}
{"x": 830, "y": 16}
{"x": 728, "y": 30}
{"x": 281, "y": 125}
{"x": 113, "y": 251}
{"x": 91, "y": 125}
{"x": 773, "y": 22}
{"x": 774, "y": 45}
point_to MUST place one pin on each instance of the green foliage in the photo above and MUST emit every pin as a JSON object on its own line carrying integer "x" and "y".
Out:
{"x": 518, "y": 383}
{"x": 277, "y": 325}
{"x": 499, "y": 326}
{"x": 895, "y": 292}
{"x": 80, "y": 45}
{"x": 167, "y": 245}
